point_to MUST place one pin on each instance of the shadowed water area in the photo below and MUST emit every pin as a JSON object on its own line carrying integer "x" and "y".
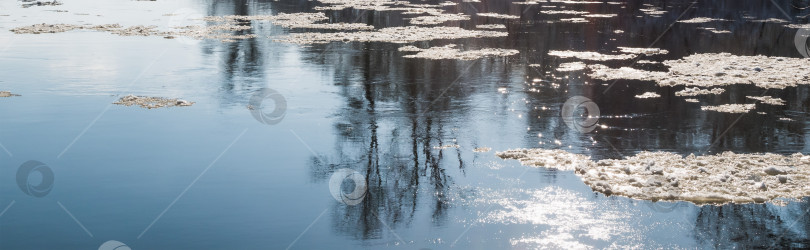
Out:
{"x": 219, "y": 174}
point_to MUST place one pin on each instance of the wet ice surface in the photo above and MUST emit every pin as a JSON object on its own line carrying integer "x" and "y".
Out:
{"x": 695, "y": 91}
{"x": 709, "y": 70}
{"x": 768, "y": 100}
{"x": 730, "y": 108}
{"x": 558, "y": 159}
{"x": 7, "y": 94}
{"x": 490, "y": 26}
{"x": 497, "y": 15}
{"x": 393, "y": 35}
{"x": 715, "y": 179}
{"x": 572, "y": 66}
{"x": 26, "y": 4}
{"x": 714, "y": 30}
{"x": 293, "y": 20}
{"x": 602, "y": 72}
{"x": 451, "y": 52}
{"x": 219, "y": 31}
{"x": 422, "y": 131}
{"x": 437, "y": 19}
{"x": 148, "y": 102}
{"x": 482, "y": 149}
{"x": 646, "y": 51}
{"x": 701, "y": 20}
{"x": 648, "y": 95}
{"x": 589, "y": 55}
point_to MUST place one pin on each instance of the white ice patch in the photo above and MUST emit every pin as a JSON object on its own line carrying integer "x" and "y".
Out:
{"x": 714, "y": 179}
{"x": 589, "y": 55}
{"x": 768, "y": 100}
{"x": 646, "y": 51}
{"x": 701, "y": 20}
{"x": 451, "y": 52}
{"x": 496, "y": 15}
{"x": 730, "y": 108}
{"x": 404, "y": 34}
{"x": 572, "y": 66}
{"x": 708, "y": 70}
{"x": 698, "y": 91}
{"x": 647, "y": 95}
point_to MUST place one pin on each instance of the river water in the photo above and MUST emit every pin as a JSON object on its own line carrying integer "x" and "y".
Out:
{"x": 221, "y": 175}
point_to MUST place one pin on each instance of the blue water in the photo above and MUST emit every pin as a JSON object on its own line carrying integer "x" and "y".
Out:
{"x": 212, "y": 176}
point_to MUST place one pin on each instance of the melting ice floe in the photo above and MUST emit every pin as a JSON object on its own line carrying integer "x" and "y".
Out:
{"x": 439, "y": 18}
{"x": 393, "y": 35}
{"x": 490, "y": 26}
{"x": 482, "y": 149}
{"x": 646, "y": 51}
{"x": 293, "y": 20}
{"x": 707, "y": 70}
{"x": 7, "y": 94}
{"x": 714, "y": 30}
{"x": 589, "y": 55}
{"x": 648, "y": 95}
{"x": 768, "y": 100}
{"x": 698, "y": 91}
{"x": 715, "y": 179}
{"x": 496, "y": 15}
{"x": 701, "y": 20}
{"x": 152, "y": 102}
{"x": 730, "y": 108}
{"x": 572, "y": 66}
{"x": 450, "y": 52}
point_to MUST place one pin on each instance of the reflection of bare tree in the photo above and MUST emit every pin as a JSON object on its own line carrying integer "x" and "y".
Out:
{"x": 395, "y": 113}
{"x": 243, "y": 61}
{"x": 753, "y": 226}
{"x": 396, "y": 110}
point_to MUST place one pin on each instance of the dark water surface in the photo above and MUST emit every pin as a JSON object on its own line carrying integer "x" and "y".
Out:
{"x": 211, "y": 176}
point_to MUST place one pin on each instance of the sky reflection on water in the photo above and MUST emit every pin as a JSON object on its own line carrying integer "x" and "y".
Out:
{"x": 124, "y": 173}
